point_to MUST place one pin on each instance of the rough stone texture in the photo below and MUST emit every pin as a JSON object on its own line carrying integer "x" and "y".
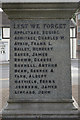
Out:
{"x": 40, "y": 10}
{"x": 4, "y": 94}
{"x": 56, "y": 105}
{"x": 59, "y": 79}
{"x": 42, "y": 119}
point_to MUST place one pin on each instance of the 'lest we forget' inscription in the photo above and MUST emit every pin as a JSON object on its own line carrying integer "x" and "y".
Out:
{"x": 37, "y": 58}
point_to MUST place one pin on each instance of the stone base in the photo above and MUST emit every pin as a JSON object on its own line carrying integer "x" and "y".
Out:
{"x": 60, "y": 110}
{"x": 62, "y": 115}
{"x": 45, "y": 118}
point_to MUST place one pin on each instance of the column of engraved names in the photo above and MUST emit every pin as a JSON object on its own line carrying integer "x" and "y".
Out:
{"x": 34, "y": 58}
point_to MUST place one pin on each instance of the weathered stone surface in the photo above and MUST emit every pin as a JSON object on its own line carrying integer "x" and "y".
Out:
{"x": 40, "y": 62}
{"x": 40, "y": 78}
{"x": 40, "y": 10}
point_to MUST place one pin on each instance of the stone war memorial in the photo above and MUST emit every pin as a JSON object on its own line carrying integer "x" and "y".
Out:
{"x": 40, "y": 85}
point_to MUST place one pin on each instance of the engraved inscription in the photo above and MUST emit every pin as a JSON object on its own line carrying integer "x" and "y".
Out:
{"x": 35, "y": 65}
